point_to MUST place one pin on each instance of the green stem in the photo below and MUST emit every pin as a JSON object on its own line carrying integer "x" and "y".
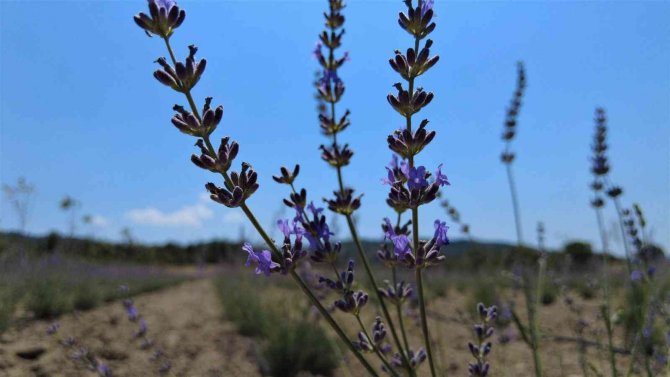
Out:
{"x": 398, "y": 307}
{"x": 533, "y": 336}
{"x": 424, "y": 320}
{"x": 608, "y": 305}
{"x": 617, "y": 205}
{"x": 354, "y": 235}
{"x": 515, "y": 203}
{"x": 375, "y": 288}
{"x": 415, "y": 233}
{"x": 315, "y": 301}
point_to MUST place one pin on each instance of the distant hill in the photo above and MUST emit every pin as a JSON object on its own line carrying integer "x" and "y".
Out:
{"x": 460, "y": 252}
{"x": 211, "y": 251}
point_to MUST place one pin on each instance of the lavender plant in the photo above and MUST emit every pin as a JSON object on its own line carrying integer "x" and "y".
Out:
{"x": 600, "y": 169}
{"x": 455, "y": 217}
{"x": 411, "y": 185}
{"x": 529, "y": 332}
{"x": 159, "y": 357}
{"x": 78, "y": 353}
{"x": 507, "y": 156}
{"x": 483, "y": 331}
{"x": 19, "y": 196}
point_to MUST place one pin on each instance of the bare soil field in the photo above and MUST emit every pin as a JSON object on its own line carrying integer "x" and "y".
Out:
{"x": 187, "y": 323}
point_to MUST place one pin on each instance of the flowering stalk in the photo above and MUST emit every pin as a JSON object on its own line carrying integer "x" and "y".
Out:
{"x": 507, "y": 157}
{"x": 158, "y": 356}
{"x": 408, "y": 143}
{"x": 480, "y": 350}
{"x": 599, "y": 169}
{"x": 80, "y": 355}
{"x": 456, "y": 218}
{"x": 643, "y": 284}
{"x": 330, "y": 90}
{"x": 165, "y": 16}
{"x": 311, "y": 223}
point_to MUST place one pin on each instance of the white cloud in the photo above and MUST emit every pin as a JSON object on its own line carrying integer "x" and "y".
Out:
{"x": 192, "y": 215}
{"x": 99, "y": 221}
{"x": 233, "y": 217}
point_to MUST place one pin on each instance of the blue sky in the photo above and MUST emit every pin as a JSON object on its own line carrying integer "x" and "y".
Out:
{"x": 82, "y": 115}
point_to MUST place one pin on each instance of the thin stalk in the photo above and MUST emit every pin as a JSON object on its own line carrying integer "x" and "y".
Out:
{"x": 315, "y": 301}
{"x": 398, "y": 307}
{"x": 617, "y": 205}
{"x": 515, "y": 204}
{"x": 532, "y": 338}
{"x": 415, "y": 236}
{"x": 375, "y": 288}
{"x": 359, "y": 247}
{"x": 534, "y": 329}
{"x": 424, "y": 320}
{"x": 608, "y": 305}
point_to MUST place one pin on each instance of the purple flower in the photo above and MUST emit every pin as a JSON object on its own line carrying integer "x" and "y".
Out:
{"x": 651, "y": 271}
{"x": 53, "y": 328}
{"x": 284, "y": 227}
{"x": 317, "y": 50}
{"x": 390, "y": 178}
{"x": 288, "y": 230}
{"x": 142, "y": 330}
{"x": 426, "y": 5}
{"x": 263, "y": 260}
{"x": 404, "y": 168}
{"x": 167, "y": 4}
{"x": 132, "y": 313}
{"x": 400, "y": 241}
{"x": 441, "y": 233}
{"x": 440, "y": 178}
{"x": 417, "y": 178}
{"x": 329, "y": 76}
{"x": 390, "y": 232}
{"x": 315, "y": 210}
{"x": 401, "y": 244}
{"x": 103, "y": 370}
{"x": 636, "y": 276}
{"x": 298, "y": 214}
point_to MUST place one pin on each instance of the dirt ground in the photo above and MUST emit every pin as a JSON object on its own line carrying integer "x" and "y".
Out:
{"x": 185, "y": 322}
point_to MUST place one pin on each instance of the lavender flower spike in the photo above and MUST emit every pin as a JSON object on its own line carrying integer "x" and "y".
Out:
{"x": 262, "y": 259}
{"x": 164, "y": 16}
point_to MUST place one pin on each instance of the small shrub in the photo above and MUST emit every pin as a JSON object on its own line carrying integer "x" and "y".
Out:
{"x": 243, "y": 309}
{"x": 586, "y": 290}
{"x": 297, "y": 346}
{"x": 548, "y": 294}
{"x": 8, "y": 300}
{"x": 86, "y": 296}
{"x": 46, "y": 298}
{"x": 484, "y": 290}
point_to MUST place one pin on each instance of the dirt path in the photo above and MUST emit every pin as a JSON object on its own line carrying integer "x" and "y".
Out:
{"x": 183, "y": 321}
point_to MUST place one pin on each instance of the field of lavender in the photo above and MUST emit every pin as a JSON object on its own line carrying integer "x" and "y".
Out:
{"x": 305, "y": 296}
